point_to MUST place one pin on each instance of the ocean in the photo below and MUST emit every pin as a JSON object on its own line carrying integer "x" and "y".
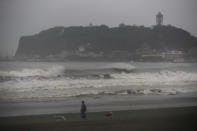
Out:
{"x": 104, "y": 83}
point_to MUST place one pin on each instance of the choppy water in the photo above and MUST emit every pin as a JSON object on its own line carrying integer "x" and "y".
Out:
{"x": 51, "y": 80}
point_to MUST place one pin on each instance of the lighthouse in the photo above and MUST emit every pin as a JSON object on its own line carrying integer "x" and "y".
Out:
{"x": 159, "y": 19}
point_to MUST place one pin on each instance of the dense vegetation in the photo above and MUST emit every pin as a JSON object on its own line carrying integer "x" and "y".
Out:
{"x": 105, "y": 39}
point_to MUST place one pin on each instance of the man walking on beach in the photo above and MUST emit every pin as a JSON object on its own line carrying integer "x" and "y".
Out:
{"x": 83, "y": 110}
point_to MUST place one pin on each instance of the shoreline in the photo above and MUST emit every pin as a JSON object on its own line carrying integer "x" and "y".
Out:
{"x": 126, "y": 61}
{"x": 164, "y": 119}
{"x": 104, "y": 103}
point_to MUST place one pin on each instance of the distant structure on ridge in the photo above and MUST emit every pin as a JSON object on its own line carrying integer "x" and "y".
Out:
{"x": 159, "y": 19}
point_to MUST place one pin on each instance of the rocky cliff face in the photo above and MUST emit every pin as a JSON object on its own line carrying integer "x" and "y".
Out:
{"x": 104, "y": 39}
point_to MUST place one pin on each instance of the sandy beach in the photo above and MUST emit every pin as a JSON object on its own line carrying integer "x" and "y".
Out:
{"x": 162, "y": 119}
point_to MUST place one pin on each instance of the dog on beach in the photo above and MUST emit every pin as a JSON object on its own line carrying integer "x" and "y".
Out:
{"x": 109, "y": 115}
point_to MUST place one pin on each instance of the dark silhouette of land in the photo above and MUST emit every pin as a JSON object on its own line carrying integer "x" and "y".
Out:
{"x": 123, "y": 41}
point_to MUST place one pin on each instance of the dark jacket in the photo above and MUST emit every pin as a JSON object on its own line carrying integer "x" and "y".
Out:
{"x": 83, "y": 108}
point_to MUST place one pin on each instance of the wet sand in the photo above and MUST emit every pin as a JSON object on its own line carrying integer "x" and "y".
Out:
{"x": 163, "y": 119}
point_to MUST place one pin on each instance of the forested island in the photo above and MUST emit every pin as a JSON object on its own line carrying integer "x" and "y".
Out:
{"x": 101, "y": 42}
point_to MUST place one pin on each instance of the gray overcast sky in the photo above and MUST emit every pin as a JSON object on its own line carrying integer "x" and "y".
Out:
{"x": 26, "y": 17}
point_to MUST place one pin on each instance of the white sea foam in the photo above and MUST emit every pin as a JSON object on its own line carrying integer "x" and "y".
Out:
{"x": 59, "y": 84}
{"x": 164, "y": 76}
{"x": 161, "y": 83}
{"x": 52, "y": 71}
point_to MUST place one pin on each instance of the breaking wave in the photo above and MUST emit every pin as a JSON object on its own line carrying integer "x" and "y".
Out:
{"x": 160, "y": 77}
{"x": 61, "y": 71}
{"x": 126, "y": 75}
{"x": 134, "y": 92}
{"x": 28, "y": 72}
{"x": 119, "y": 79}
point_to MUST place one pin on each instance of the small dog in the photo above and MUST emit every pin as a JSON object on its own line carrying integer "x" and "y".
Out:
{"x": 109, "y": 114}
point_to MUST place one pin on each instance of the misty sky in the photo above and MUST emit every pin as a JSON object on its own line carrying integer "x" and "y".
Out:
{"x": 26, "y": 17}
